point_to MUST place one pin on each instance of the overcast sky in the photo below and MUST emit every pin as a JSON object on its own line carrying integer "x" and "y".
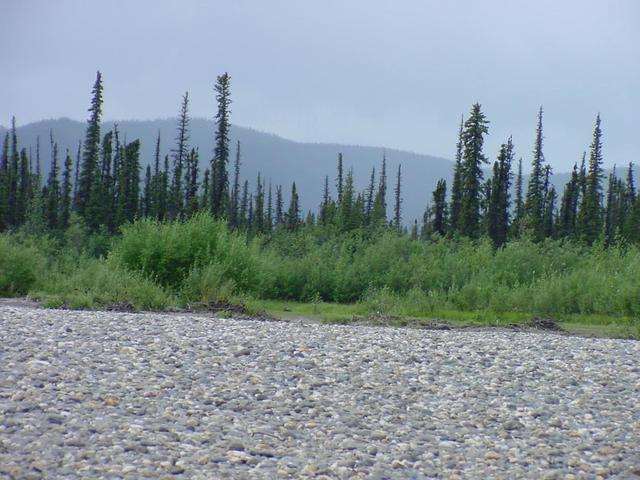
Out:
{"x": 386, "y": 73}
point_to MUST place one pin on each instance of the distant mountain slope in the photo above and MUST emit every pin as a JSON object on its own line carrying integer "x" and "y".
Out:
{"x": 280, "y": 160}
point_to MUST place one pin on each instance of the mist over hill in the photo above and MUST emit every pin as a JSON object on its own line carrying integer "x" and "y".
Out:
{"x": 279, "y": 160}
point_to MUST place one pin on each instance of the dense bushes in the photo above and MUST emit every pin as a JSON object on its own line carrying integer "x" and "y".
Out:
{"x": 155, "y": 264}
{"x": 168, "y": 253}
{"x": 20, "y": 265}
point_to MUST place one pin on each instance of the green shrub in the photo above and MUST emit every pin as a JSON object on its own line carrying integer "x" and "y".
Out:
{"x": 168, "y": 252}
{"x": 20, "y": 266}
{"x": 97, "y": 283}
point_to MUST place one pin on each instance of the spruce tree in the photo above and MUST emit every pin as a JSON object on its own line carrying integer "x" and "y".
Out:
{"x": 156, "y": 182}
{"x": 24, "y": 187}
{"x": 347, "y": 207}
{"x": 91, "y": 151}
{"x": 518, "y": 209}
{"x": 269, "y": 218}
{"x": 206, "y": 187}
{"x": 180, "y": 155}
{"x": 569, "y": 206}
{"x": 65, "y": 200}
{"x": 370, "y": 197}
{"x": 548, "y": 217}
{"x": 611, "y": 211}
{"x": 456, "y": 186}
{"x": 13, "y": 178}
{"x": 590, "y": 214}
{"x": 534, "y": 203}
{"x": 473, "y": 140}
{"x": 279, "y": 207}
{"x": 292, "y": 217}
{"x": 129, "y": 184}
{"x": 340, "y": 179}
{"x": 76, "y": 178}
{"x": 379, "y": 216}
{"x": 498, "y": 214}
{"x": 258, "y": 213}
{"x": 219, "y": 175}
{"x": 250, "y": 218}
{"x": 235, "y": 191}
{"x": 4, "y": 183}
{"x": 414, "y": 230}
{"x": 397, "y": 217}
{"x": 146, "y": 193}
{"x": 52, "y": 202}
{"x": 193, "y": 204}
{"x": 38, "y": 177}
{"x": 244, "y": 206}
{"x": 97, "y": 210}
{"x": 163, "y": 195}
{"x": 438, "y": 213}
{"x": 582, "y": 176}
{"x": 631, "y": 186}
{"x": 323, "y": 218}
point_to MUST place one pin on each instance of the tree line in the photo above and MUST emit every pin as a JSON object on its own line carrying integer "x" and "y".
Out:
{"x": 480, "y": 207}
{"x": 104, "y": 186}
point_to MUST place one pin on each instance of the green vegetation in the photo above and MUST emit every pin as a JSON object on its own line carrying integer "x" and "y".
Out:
{"x": 108, "y": 240}
{"x": 153, "y": 265}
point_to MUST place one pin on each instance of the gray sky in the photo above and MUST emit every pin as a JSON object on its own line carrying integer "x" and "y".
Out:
{"x": 371, "y": 72}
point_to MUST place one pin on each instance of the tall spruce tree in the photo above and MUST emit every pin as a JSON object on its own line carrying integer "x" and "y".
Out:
{"x": 340, "y": 179}
{"x": 244, "y": 206}
{"x": 292, "y": 217}
{"x": 397, "y": 217}
{"x": 91, "y": 150}
{"x": 370, "y": 197}
{"x": 24, "y": 187}
{"x": 192, "y": 201}
{"x": 569, "y": 206}
{"x": 52, "y": 201}
{"x": 269, "y": 217}
{"x": 590, "y": 214}
{"x": 279, "y": 220}
{"x": 180, "y": 154}
{"x": 438, "y": 211}
{"x": 498, "y": 214}
{"x": 65, "y": 200}
{"x": 631, "y": 185}
{"x": 258, "y": 213}
{"x": 379, "y": 216}
{"x": 456, "y": 186}
{"x": 323, "y": 216}
{"x": 534, "y": 203}
{"x": 145, "y": 206}
{"x": 518, "y": 208}
{"x": 13, "y": 177}
{"x": 129, "y": 184}
{"x": 4, "y": 183}
{"x": 219, "y": 174}
{"x": 475, "y": 128}
{"x": 347, "y": 207}
{"x": 235, "y": 191}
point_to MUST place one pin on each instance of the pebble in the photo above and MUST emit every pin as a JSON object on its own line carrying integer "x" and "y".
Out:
{"x": 123, "y": 395}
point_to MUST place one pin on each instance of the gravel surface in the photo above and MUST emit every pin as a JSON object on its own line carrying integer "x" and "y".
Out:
{"x": 113, "y": 395}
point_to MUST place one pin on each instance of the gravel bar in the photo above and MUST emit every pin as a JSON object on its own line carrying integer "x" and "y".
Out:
{"x": 120, "y": 395}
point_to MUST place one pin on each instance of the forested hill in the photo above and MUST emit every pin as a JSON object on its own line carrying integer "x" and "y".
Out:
{"x": 280, "y": 160}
